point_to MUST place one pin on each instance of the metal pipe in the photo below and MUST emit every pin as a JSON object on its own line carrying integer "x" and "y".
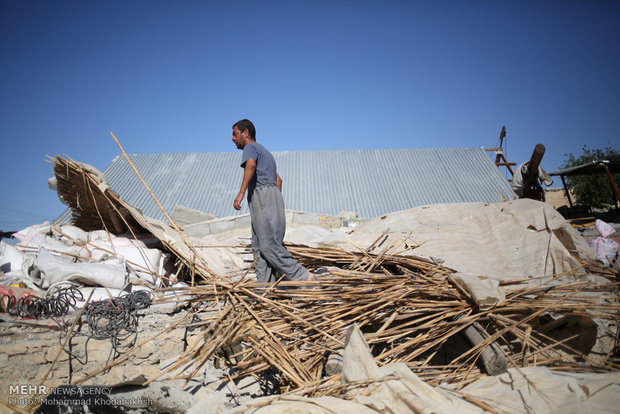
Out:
{"x": 570, "y": 203}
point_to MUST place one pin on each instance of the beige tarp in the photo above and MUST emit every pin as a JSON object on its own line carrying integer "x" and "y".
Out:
{"x": 539, "y": 390}
{"x": 484, "y": 243}
{"x": 507, "y": 240}
{"x": 394, "y": 388}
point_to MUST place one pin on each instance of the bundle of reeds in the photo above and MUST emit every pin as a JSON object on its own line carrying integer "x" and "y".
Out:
{"x": 412, "y": 314}
{"x": 93, "y": 205}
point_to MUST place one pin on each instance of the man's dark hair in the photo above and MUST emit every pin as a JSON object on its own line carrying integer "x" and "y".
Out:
{"x": 246, "y": 124}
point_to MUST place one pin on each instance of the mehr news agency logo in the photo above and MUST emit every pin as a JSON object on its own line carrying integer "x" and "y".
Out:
{"x": 69, "y": 395}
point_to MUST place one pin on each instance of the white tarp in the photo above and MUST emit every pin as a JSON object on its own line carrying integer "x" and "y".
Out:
{"x": 501, "y": 241}
{"x": 405, "y": 393}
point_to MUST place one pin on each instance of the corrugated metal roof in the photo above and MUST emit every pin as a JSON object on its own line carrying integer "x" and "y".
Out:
{"x": 371, "y": 182}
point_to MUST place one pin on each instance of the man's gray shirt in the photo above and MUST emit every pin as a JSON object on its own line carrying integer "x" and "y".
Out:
{"x": 265, "y": 165}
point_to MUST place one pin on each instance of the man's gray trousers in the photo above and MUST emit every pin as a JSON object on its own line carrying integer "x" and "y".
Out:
{"x": 268, "y": 227}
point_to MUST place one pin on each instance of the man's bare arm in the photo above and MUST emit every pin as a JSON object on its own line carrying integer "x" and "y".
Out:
{"x": 279, "y": 182}
{"x": 248, "y": 173}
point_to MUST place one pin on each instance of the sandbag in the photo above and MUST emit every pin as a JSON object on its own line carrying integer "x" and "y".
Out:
{"x": 606, "y": 249}
{"x": 74, "y": 233}
{"x": 110, "y": 273}
{"x": 603, "y": 228}
{"x": 27, "y": 235}
{"x": 142, "y": 260}
{"x": 33, "y": 236}
{"x": 11, "y": 259}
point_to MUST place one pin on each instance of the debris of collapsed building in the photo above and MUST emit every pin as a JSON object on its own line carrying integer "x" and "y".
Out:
{"x": 443, "y": 322}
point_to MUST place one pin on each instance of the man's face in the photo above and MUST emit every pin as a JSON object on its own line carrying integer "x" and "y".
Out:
{"x": 238, "y": 137}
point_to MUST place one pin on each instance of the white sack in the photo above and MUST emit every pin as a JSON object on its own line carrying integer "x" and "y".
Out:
{"x": 100, "y": 235}
{"x": 137, "y": 256}
{"x": 110, "y": 273}
{"x": 603, "y": 228}
{"x": 51, "y": 243}
{"x": 11, "y": 259}
{"x": 142, "y": 259}
{"x": 606, "y": 249}
{"x": 75, "y": 233}
{"x": 33, "y": 236}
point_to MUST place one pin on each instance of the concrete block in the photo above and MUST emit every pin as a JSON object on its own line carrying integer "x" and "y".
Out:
{"x": 288, "y": 214}
{"x": 243, "y": 221}
{"x": 198, "y": 229}
{"x": 220, "y": 226}
{"x": 306, "y": 218}
{"x": 184, "y": 215}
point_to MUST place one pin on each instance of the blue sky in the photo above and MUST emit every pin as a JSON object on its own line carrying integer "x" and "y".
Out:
{"x": 170, "y": 76}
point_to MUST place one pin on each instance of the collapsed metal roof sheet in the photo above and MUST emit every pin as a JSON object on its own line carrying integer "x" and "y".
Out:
{"x": 370, "y": 182}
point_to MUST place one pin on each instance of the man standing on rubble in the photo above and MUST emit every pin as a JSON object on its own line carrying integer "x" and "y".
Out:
{"x": 264, "y": 187}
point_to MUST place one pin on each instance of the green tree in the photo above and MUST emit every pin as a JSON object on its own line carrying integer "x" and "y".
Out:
{"x": 591, "y": 190}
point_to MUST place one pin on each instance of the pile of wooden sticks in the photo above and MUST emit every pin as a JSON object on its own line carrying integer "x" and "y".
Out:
{"x": 409, "y": 311}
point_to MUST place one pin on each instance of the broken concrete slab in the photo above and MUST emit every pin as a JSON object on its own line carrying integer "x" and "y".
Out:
{"x": 184, "y": 215}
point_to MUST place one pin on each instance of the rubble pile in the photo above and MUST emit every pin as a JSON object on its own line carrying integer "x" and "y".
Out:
{"x": 394, "y": 321}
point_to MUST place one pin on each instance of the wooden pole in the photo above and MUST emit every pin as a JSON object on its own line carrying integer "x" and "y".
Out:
{"x": 532, "y": 188}
{"x": 570, "y": 202}
{"x": 613, "y": 183}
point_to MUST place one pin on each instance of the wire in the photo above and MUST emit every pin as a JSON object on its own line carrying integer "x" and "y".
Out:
{"x": 34, "y": 306}
{"x": 117, "y": 319}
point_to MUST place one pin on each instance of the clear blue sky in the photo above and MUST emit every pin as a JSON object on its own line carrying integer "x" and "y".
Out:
{"x": 173, "y": 76}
